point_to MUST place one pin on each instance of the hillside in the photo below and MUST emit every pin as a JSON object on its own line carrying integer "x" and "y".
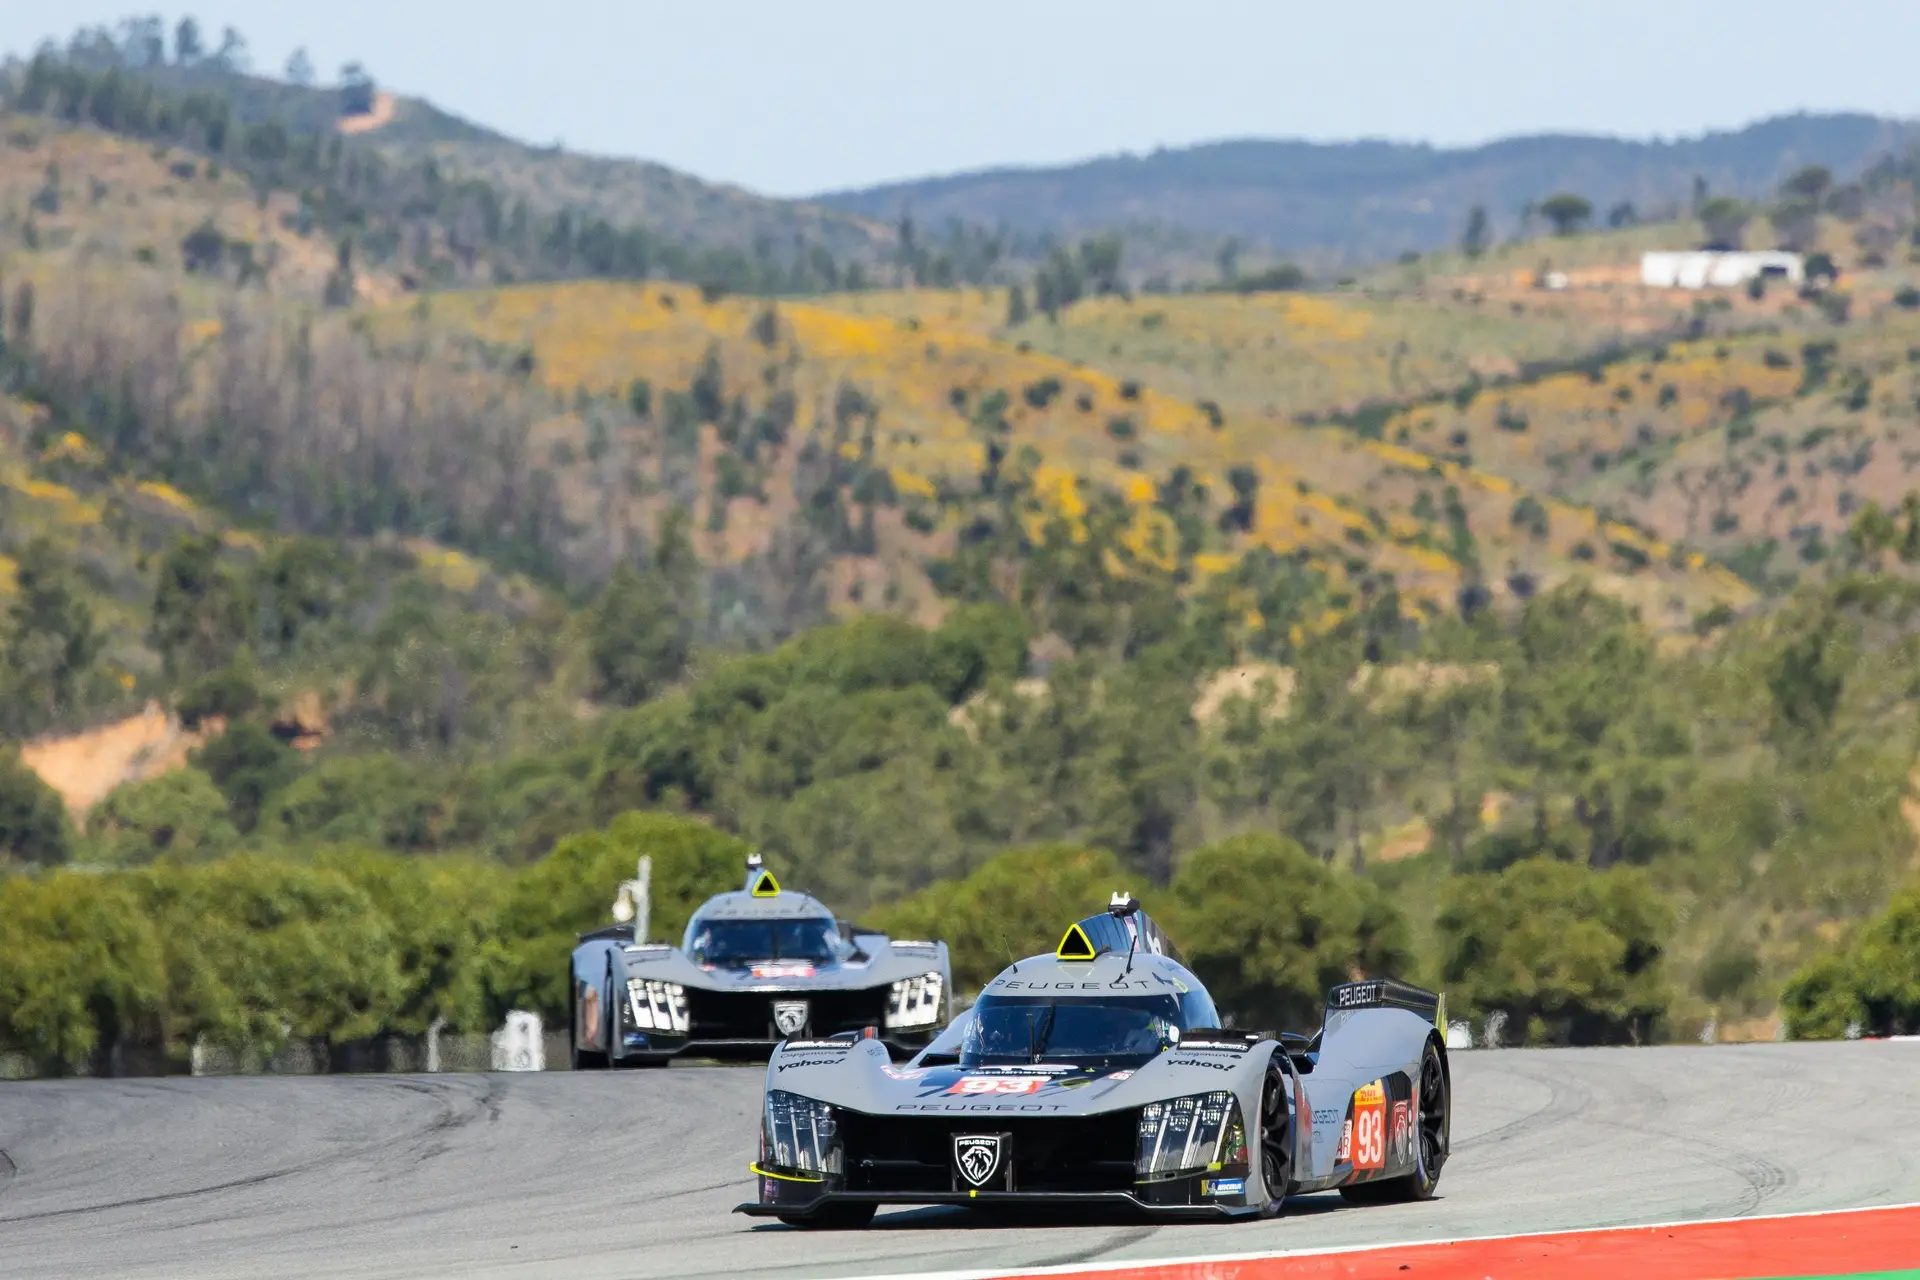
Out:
{"x": 404, "y": 190}
{"x": 337, "y": 523}
{"x": 671, "y": 204}
{"x": 1362, "y": 201}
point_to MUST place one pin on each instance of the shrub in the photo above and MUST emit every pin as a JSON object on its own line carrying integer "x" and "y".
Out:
{"x": 1570, "y": 956}
{"x": 34, "y": 827}
{"x": 180, "y": 814}
{"x": 1872, "y": 985}
{"x": 83, "y": 966}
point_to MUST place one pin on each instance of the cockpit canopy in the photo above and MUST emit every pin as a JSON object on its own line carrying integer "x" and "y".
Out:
{"x": 738, "y": 942}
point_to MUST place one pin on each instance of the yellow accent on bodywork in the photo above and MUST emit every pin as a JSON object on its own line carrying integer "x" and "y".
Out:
{"x": 784, "y": 1177}
{"x": 1074, "y": 945}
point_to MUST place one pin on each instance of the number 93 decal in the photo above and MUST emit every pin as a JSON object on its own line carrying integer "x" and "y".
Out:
{"x": 996, "y": 1084}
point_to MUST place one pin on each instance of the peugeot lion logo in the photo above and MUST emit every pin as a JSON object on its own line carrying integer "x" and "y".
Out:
{"x": 789, "y": 1016}
{"x": 978, "y": 1156}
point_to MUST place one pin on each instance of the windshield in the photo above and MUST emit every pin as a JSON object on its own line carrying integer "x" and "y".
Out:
{"x": 1013, "y": 1029}
{"x": 738, "y": 943}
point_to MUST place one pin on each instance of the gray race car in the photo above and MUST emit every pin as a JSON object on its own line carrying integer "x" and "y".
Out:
{"x": 755, "y": 966}
{"x": 1100, "y": 1074}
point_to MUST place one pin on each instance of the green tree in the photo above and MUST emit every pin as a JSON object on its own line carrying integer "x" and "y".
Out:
{"x": 303, "y": 583}
{"x": 201, "y": 609}
{"x": 1100, "y": 264}
{"x": 1570, "y": 956}
{"x": 34, "y": 826}
{"x": 638, "y": 643}
{"x": 180, "y": 814}
{"x": 1805, "y": 680}
{"x": 441, "y": 912}
{"x": 50, "y": 643}
{"x": 1725, "y": 219}
{"x": 974, "y": 644}
{"x": 1575, "y": 713}
{"x": 84, "y": 969}
{"x": 1810, "y": 183}
{"x": 247, "y": 764}
{"x": 641, "y": 629}
{"x": 1473, "y": 241}
{"x": 376, "y": 798}
{"x": 1016, "y": 306}
{"x": 1567, "y": 212}
{"x": 260, "y": 950}
{"x": 1872, "y": 985}
{"x": 1269, "y": 928}
{"x": 1796, "y": 224}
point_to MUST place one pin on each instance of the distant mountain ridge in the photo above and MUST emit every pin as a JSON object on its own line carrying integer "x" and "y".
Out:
{"x": 678, "y": 205}
{"x": 1372, "y": 199}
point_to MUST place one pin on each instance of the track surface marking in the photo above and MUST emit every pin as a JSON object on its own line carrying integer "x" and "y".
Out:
{"x": 635, "y": 1173}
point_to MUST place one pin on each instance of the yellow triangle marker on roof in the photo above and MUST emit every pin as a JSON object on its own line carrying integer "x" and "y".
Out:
{"x": 1074, "y": 945}
{"x": 766, "y": 886}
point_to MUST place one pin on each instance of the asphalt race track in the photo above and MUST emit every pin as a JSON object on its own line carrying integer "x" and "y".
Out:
{"x": 634, "y": 1173}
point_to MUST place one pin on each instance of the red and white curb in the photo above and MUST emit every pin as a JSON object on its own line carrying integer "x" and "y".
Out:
{"x": 1235, "y": 1264}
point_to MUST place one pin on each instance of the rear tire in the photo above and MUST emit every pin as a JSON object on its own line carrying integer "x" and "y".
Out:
{"x": 583, "y": 1059}
{"x": 1433, "y": 1127}
{"x": 834, "y": 1217}
{"x": 1273, "y": 1146}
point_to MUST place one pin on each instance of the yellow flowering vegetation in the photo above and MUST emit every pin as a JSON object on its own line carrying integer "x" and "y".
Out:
{"x": 947, "y": 387}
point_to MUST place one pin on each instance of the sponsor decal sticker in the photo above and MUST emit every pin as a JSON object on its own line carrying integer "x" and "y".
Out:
{"x": 1121, "y": 1075}
{"x": 1345, "y": 1151}
{"x": 997, "y": 1084}
{"x": 1402, "y": 1132}
{"x": 791, "y": 970}
{"x": 1359, "y": 995}
{"x": 1223, "y": 1186}
{"x": 1370, "y": 1127}
{"x": 913, "y": 1074}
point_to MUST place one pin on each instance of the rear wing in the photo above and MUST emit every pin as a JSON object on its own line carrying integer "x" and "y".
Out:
{"x": 1388, "y": 993}
{"x": 611, "y": 933}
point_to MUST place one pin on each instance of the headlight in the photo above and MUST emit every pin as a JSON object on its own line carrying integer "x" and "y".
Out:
{"x": 1202, "y": 1133}
{"x": 916, "y": 1002}
{"x": 800, "y": 1138}
{"x": 658, "y": 1006}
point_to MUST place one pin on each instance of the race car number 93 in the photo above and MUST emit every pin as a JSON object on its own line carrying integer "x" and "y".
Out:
{"x": 1369, "y": 1138}
{"x": 997, "y": 1084}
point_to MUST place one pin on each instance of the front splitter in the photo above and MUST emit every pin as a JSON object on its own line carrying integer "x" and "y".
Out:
{"x": 985, "y": 1199}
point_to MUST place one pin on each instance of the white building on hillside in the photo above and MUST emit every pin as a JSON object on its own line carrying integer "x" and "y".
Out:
{"x": 1710, "y": 269}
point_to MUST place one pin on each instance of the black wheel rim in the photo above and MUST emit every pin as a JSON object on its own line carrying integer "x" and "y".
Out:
{"x": 1433, "y": 1116}
{"x": 1276, "y": 1148}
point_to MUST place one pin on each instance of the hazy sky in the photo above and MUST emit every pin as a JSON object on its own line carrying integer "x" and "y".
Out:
{"x": 791, "y": 98}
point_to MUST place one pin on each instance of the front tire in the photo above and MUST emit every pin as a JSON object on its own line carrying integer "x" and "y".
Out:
{"x": 1274, "y": 1144}
{"x": 1432, "y": 1137}
{"x": 833, "y": 1217}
